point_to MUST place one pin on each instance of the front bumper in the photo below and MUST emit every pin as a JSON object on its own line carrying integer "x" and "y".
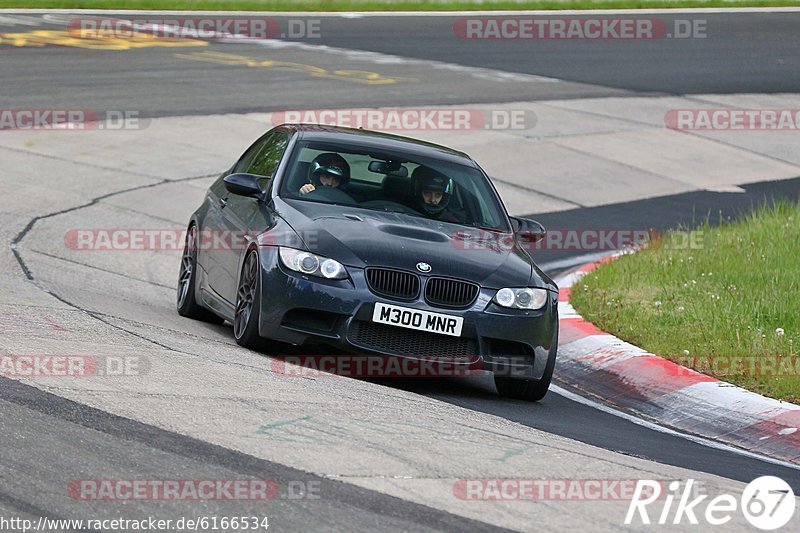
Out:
{"x": 300, "y": 309}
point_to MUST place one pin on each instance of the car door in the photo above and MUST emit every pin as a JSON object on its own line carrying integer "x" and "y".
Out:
{"x": 210, "y": 248}
{"x": 242, "y": 216}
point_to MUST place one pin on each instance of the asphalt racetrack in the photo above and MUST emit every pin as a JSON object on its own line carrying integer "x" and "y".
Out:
{"x": 347, "y": 454}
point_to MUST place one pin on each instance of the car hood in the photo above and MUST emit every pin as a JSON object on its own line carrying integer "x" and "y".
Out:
{"x": 362, "y": 238}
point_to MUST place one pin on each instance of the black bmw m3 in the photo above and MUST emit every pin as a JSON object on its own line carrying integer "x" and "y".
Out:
{"x": 373, "y": 244}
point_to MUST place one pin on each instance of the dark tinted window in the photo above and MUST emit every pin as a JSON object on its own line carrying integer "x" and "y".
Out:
{"x": 263, "y": 157}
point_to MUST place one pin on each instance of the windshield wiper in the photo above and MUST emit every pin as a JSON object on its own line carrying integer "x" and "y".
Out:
{"x": 477, "y": 225}
{"x": 390, "y": 210}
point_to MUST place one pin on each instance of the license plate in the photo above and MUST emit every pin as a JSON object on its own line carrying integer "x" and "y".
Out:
{"x": 405, "y": 317}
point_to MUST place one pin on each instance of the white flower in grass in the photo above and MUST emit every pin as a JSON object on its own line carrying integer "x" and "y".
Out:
{"x": 685, "y": 352}
{"x": 680, "y": 309}
{"x": 657, "y": 303}
{"x": 779, "y": 332}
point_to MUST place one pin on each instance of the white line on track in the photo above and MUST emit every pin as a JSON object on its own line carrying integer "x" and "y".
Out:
{"x": 355, "y": 14}
{"x": 661, "y": 429}
{"x": 380, "y": 58}
{"x": 563, "y": 264}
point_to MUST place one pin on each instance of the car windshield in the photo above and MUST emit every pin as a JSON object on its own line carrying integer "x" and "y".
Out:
{"x": 369, "y": 179}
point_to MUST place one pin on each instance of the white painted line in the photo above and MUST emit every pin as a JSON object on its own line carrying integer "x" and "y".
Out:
{"x": 389, "y": 59}
{"x": 357, "y": 14}
{"x": 567, "y": 281}
{"x": 572, "y": 261}
{"x": 661, "y": 429}
{"x": 20, "y": 20}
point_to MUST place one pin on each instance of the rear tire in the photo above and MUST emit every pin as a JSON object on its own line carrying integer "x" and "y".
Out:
{"x": 186, "y": 303}
{"x": 531, "y": 390}
{"x": 248, "y": 304}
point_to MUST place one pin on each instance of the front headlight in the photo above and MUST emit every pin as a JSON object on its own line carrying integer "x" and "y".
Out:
{"x": 524, "y": 298}
{"x": 313, "y": 265}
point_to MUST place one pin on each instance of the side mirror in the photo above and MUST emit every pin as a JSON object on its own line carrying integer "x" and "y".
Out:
{"x": 527, "y": 230}
{"x": 244, "y": 185}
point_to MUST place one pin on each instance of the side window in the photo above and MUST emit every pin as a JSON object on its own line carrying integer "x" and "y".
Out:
{"x": 244, "y": 162}
{"x": 263, "y": 157}
{"x": 266, "y": 160}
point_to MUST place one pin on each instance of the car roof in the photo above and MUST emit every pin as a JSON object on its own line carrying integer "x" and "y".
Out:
{"x": 379, "y": 141}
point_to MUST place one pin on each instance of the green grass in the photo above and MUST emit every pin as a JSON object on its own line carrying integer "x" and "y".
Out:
{"x": 385, "y": 5}
{"x": 718, "y": 307}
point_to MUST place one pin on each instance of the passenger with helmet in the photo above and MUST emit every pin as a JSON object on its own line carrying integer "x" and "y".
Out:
{"x": 432, "y": 192}
{"x": 327, "y": 170}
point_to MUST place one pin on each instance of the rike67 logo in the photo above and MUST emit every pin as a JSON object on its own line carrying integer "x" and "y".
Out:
{"x": 767, "y": 503}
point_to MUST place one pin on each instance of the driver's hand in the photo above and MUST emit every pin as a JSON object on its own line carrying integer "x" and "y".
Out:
{"x": 307, "y": 188}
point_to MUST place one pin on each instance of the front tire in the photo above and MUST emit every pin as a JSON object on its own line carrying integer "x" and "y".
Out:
{"x": 186, "y": 303}
{"x": 248, "y": 304}
{"x": 531, "y": 390}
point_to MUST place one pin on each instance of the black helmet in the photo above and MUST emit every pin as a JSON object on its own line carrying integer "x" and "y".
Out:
{"x": 329, "y": 163}
{"x": 427, "y": 179}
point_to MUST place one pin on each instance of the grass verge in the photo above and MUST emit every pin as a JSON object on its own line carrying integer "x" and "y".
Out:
{"x": 729, "y": 306}
{"x": 382, "y": 5}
